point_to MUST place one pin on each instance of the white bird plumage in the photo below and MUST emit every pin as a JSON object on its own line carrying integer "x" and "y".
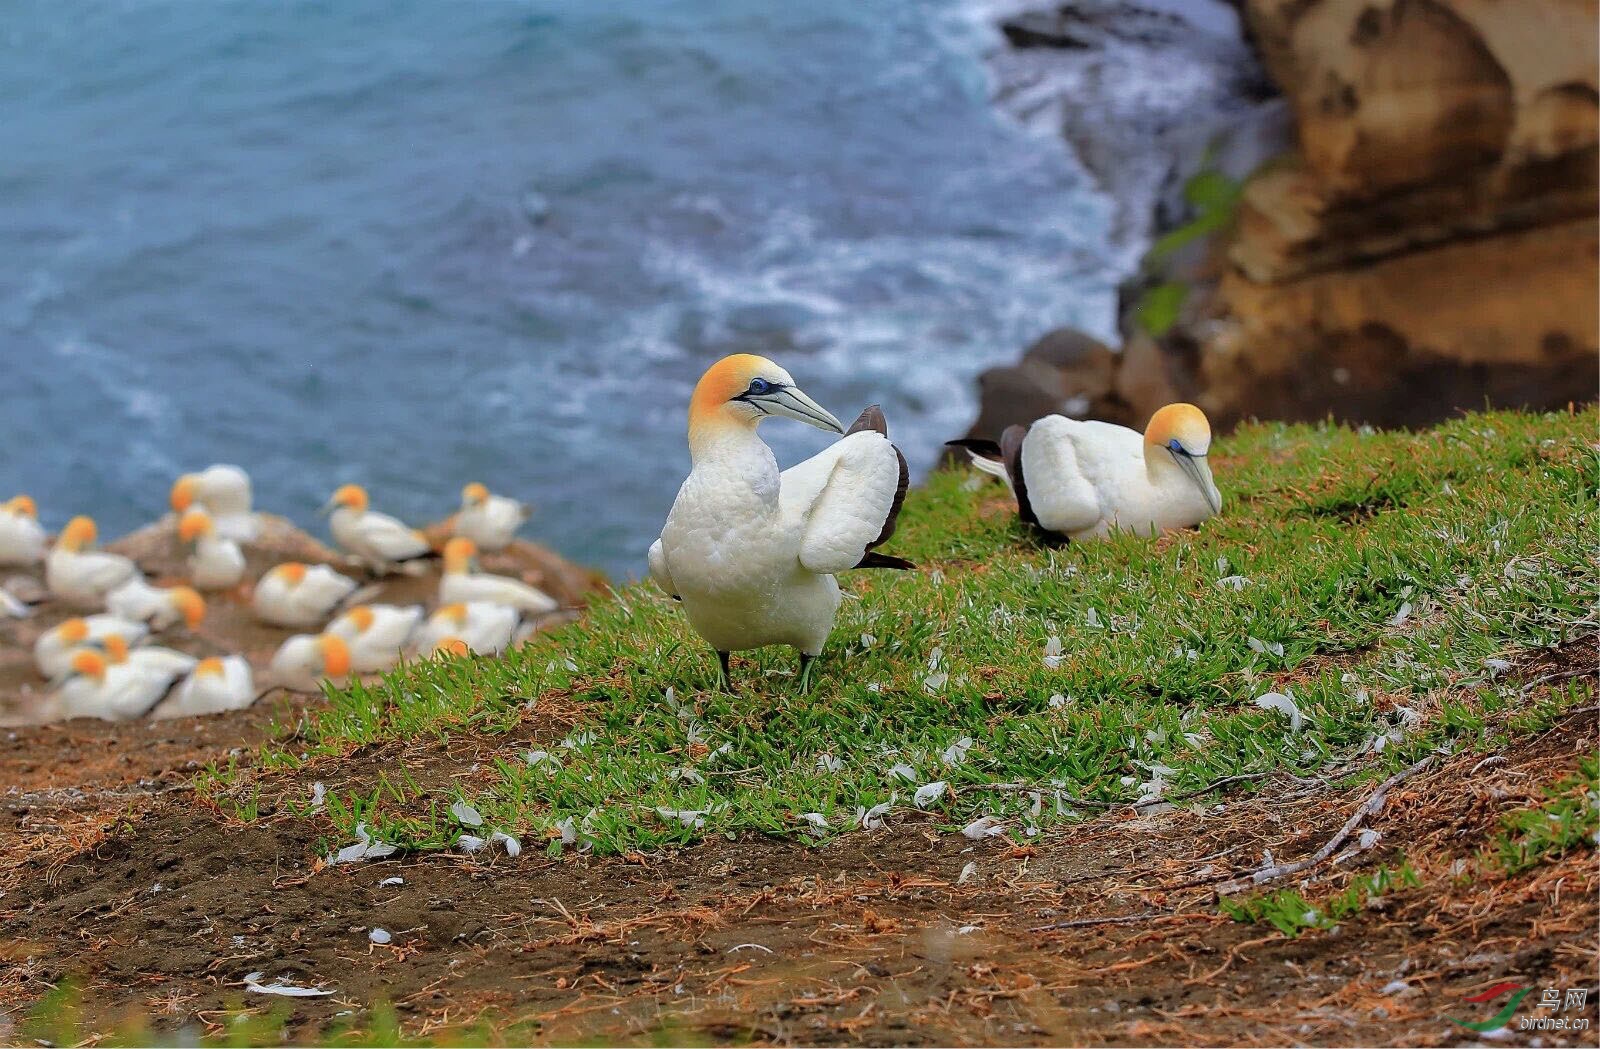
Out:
{"x": 489, "y": 520}
{"x": 485, "y": 627}
{"x": 752, "y": 552}
{"x": 82, "y": 576}
{"x": 22, "y": 539}
{"x": 112, "y": 692}
{"x": 214, "y": 685}
{"x": 215, "y": 562}
{"x": 223, "y": 491}
{"x": 159, "y": 606}
{"x": 378, "y": 635}
{"x": 297, "y": 595}
{"x": 52, "y": 652}
{"x": 377, "y": 539}
{"x": 304, "y": 661}
{"x": 1086, "y": 479}
{"x": 462, "y": 583}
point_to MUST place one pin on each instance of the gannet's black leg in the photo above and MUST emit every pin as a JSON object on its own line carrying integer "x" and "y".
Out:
{"x": 726, "y": 660}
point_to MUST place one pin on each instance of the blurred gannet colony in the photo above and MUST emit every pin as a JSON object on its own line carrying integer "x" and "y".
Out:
{"x": 216, "y": 605}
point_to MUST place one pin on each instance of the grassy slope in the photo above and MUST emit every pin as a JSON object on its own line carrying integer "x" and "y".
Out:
{"x": 1393, "y": 569}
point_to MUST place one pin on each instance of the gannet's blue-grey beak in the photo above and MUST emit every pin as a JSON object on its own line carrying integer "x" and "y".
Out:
{"x": 1199, "y": 472}
{"x": 793, "y": 402}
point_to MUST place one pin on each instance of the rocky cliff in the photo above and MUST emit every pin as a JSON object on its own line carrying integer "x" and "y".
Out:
{"x": 1422, "y": 239}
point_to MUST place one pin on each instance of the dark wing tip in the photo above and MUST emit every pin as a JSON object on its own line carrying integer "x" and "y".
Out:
{"x": 871, "y": 418}
{"x": 978, "y": 446}
{"x": 1011, "y": 455}
{"x": 873, "y": 559}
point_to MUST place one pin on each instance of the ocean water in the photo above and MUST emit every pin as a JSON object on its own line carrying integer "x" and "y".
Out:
{"x": 416, "y": 244}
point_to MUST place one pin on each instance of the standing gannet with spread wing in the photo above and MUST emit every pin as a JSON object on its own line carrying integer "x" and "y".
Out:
{"x": 21, "y": 535}
{"x": 1084, "y": 479}
{"x": 751, "y": 552}
{"x": 224, "y": 492}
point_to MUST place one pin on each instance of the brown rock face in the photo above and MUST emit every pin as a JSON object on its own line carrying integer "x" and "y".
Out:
{"x": 1431, "y": 244}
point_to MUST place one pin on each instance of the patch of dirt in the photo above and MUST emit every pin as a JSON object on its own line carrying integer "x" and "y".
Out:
{"x": 1104, "y": 933}
{"x": 230, "y": 627}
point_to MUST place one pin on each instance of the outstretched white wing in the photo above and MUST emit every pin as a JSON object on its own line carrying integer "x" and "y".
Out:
{"x": 842, "y": 498}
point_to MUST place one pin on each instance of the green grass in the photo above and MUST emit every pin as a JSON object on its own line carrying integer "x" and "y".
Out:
{"x": 1291, "y": 914}
{"x": 1385, "y": 576}
{"x": 1569, "y": 818}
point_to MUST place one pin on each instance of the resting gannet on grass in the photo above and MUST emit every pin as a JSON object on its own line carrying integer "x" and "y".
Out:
{"x": 484, "y": 627}
{"x": 80, "y": 575}
{"x": 52, "y": 652}
{"x": 214, "y": 685}
{"x": 159, "y": 606}
{"x": 463, "y": 583}
{"x": 489, "y": 520}
{"x": 752, "y": 552}
{"x": 215, "y": 563}
{"x": 297, "y": 595}
{"x": 93, "y": 688}
{"x": 304, "y": 661}
{"x": 1084, "y": 479}
{"x": 21, "y": 535}
{"x": 378, "y": 539}
{"x": 378, "y": 635}
{"x": 224, "y": 492}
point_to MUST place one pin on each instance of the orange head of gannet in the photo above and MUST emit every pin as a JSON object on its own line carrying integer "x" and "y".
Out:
{"x": 741, "y": 390}
{"x": 292, "y": 573}
{"x": 89, "y": 663}
{"x": 21, "y": 506}
{"x": 456, "y": 613}
{"x": 451, "y": 646}
{"x": 1181, "y": 433}
{"x": 360, "y": 617}
{"x": 73, "y": 631}
{"x": 460, "y": 555}
{"x": 194, "y": 524}
{"x": 474, "y": 494}
{"x": 79, "y": 533}
{"x": 183, "y": 492}
{"x": 211, "y": 666}
{"x": 350, "y": 496}
{"x": 116, "y": 648}
{"x": 335, "y": 655}
{"x": 190, "y": 605}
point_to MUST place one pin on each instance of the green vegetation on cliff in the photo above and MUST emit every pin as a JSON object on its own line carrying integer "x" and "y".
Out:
{"x": 1384, "y": 585}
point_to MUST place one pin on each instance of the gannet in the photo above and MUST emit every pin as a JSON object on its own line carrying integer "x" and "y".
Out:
{"x": 95, "y": 689}
{"x": 214, "y": 685}
{"x": 491, "y": 521}
{"x": 378, "y": 635}
{"x": 377, "y": 539}
{"x": 21, "y": 535}
{"x": 1084, "y": 479}
{"x": 153, "y": 659}
{"x": 215, "y": 563}
{"x": 485, "y": 627}
{"x": 52, "y": 652}
{"x": 159, "y": 606}
{"x": 224, "y": 492}
{"x": 297, "y": 595}
{"x": 463, "y": 583}
{"x": 752, "y": 553}
{"x": 304, "y": 661}
{"x": 82, "y": 576}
